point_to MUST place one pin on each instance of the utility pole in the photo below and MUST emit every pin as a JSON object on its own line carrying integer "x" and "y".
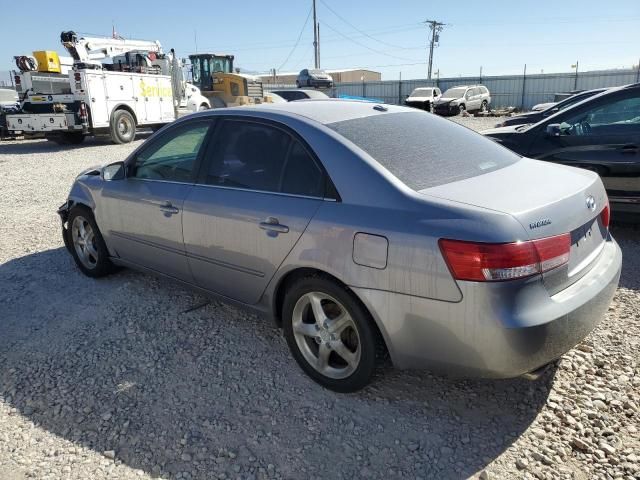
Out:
{"x": 436, "y": 28}
{"x": 316, "y": 50}
{"x": 319, "y": 45}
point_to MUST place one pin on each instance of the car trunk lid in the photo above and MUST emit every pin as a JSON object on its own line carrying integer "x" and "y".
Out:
{"x": 547, "y": 200}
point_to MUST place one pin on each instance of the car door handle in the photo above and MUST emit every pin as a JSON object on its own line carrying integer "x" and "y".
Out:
{"x": 272, "y": 224}
{"x": 629, "y": 149}
{"x": 167, "y": 207}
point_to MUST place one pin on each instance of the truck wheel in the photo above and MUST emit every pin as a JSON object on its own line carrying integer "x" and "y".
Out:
{"x": 203, "y": 107}
{"x": 123, "y": 127}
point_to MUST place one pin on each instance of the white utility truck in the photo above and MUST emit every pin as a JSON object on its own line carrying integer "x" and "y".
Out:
{"x": 114, "y": 87}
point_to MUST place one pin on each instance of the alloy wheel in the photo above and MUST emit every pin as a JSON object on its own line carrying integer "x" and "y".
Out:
{"x": 84, "y": 242}
{"x": 326, "y": 335}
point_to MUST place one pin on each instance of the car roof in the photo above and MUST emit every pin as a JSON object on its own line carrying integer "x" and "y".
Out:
{"x": 324, "y": 111}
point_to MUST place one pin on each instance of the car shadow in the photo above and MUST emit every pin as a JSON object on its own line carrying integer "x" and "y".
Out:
{"x": 28, "y": 147}
{"x": 173, "y": 382}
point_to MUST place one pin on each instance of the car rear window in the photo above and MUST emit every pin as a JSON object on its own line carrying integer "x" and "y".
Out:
{"x": 422, "y": 150}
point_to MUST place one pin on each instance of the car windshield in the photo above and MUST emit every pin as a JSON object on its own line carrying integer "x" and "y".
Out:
{"x": 454, "y": 93}
{"x": 423, "y": 151}
{"x": 317, "y": 72}
{"x": 421, "y": 92}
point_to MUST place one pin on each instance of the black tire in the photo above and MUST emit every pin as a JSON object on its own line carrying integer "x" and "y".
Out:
{"x": 461, "y": 108}
{"x": 484, "y": 107}
{"x": 122, "y": 127}
{"x": 367, "y": 336}
{"x": 427, "y": 106}
{"x": 298, "y": 84}
{"x": 103, "y": 265}
{"x": 203, "y": 107}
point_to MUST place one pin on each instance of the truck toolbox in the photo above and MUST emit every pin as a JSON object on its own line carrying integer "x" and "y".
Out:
{"x": 48, "y": 61}
{"x": 40, "y": 122}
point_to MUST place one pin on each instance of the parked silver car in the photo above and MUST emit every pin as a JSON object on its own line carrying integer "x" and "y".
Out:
{"x": 364, "y": 230}
{"x": 456, "y": 100}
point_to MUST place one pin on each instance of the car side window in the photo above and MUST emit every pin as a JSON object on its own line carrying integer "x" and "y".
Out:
{"x": 172, "y": 157}
{"x": 616, "y": 118}
{"x": 301, "y": 175}
{"x": 255, "y": 156}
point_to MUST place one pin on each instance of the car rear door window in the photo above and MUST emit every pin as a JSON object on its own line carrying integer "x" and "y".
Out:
{"x": 256, "y": 156}
{"x": 172, "y": 156}
{"x": 301, "y": 175}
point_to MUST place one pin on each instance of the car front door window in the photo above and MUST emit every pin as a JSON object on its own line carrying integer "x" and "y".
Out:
{"x": 617, "y": 118}
{"x": 173, "y": 157}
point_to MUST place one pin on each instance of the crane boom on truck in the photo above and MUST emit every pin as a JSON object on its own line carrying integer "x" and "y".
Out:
{"x": 114, "y": 87}
{"x": 84, "y": 49}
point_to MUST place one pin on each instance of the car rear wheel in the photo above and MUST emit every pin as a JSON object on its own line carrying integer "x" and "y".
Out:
{"x": 330, "y": 334}
{"x": 87, "y": 245}
{"x": 484, "y": 107}
{"x": 461, "y": 108}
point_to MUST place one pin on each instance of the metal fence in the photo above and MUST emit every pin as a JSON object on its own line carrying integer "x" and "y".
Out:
{"x": 522, "y": 91}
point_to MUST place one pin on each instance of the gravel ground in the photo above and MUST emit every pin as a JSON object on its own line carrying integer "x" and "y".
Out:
{"x": 134, "y": 377}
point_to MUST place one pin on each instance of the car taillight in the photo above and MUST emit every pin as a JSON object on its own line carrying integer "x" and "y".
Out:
{"x": 605, "y": 215}
{"x": 490, "y": 262}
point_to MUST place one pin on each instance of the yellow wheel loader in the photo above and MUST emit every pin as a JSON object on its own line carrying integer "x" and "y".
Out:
{"x": 213, "y": 74}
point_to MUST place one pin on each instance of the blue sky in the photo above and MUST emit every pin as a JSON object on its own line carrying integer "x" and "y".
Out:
{"x": 499, "y": 35}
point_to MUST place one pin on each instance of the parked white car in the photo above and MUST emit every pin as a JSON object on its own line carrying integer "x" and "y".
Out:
{"x": 423, "y": 97}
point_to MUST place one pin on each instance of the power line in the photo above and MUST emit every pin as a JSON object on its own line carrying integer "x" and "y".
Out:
{"x": 356, "y": 28}
{"x": 297, "y": 41}
{"x": 379, "y": 52}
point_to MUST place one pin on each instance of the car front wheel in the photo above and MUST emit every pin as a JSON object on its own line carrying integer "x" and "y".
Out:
{"x": 330, "y": 334}
{"x": 87, "y": 245}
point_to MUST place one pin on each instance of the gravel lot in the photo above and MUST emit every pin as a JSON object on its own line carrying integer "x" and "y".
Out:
{"x": 135, "y": 377}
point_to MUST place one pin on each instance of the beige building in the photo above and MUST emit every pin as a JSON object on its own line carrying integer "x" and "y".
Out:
{"x": 339, "y": 76}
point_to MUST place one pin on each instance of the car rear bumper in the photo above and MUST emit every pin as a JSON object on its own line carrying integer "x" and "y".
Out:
{"x": 497, "y": 330}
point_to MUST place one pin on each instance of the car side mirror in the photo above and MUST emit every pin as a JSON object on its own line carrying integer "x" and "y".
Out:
{"x": 554, "y": 130}
{"x": 114, "y": 171}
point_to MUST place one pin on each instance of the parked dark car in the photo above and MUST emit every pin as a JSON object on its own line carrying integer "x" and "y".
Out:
{"x": 293, "y": 94}
{"x": 314, "y": 78}
{"x": 536, "y": 116}
{"x": 601, "y": 133}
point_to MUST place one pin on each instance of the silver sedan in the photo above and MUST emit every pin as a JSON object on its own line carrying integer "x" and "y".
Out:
{"x": 365, "y": 231}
